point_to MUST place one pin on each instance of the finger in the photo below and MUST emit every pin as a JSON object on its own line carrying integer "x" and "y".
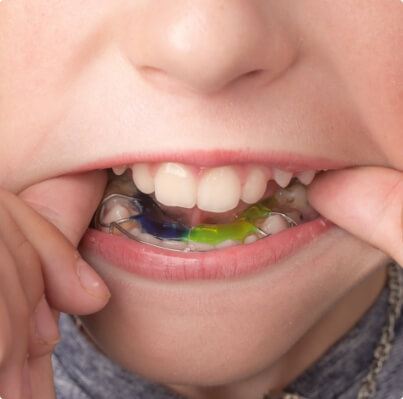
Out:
{"x": 69, "y": 202}
{"x": 43, "y": 332}
{"x": 26, "y": 382}
{"x": 366, "y": 201}
{"x": 27, "y": 263}
{"x": 71, "y": 284}
{"x": 12, "y": 383}
{"x": 41, "y": 376}
{"x": 5, "y": 333}
{"x": 10, "y": 380}
{"x": 14, "y": 312}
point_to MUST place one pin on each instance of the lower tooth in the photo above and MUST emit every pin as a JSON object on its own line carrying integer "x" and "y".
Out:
{"x": 199, "y": 246}
{"x": 149, "y": 239}
{"x": 135, "y": 231}
{"x": 274, "y": 224}
{"x": 178, "y": 245}
{"x": 227, "y": 243}
{"x": 250, "y": 239}
{"x": 117, "y": 212}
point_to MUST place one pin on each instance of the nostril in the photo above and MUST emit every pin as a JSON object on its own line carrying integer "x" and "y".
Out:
{"x": 252, "y": 74}
{"x": 149, "y": 71}
{"x": 162, "y": 79}
{"x": 158, "y": 77}
{"x": 147, "y": 68}
{"x": 255, "y": 75}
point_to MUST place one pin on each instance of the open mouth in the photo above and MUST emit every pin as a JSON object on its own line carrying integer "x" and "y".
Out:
{"x": 177, "y": 221}
{"x": 185, "y": 208}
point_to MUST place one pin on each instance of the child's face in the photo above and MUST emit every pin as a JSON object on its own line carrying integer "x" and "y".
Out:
{"x": 82, "y": 83}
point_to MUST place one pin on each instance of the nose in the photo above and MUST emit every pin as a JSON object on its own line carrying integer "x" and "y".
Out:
{"x": 207, "y": 45}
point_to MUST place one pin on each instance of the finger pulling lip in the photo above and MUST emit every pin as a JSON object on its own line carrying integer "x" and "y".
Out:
{"x": 162, "y": 264}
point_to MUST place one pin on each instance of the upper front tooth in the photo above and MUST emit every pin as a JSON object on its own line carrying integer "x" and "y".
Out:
{"x": 219, "y": 189}
{"x": 282, "y": 177}
{"x": 306, "y": 177}
{"x": 212, "y": 189}
{"x": 142, "y": 178}
{"x": 175, "y": 185}
{"x": 255, "y": 185}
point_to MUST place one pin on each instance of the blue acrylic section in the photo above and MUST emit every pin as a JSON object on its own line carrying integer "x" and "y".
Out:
{"x": 163, "y": 229}
{"x": 155, "y": 222}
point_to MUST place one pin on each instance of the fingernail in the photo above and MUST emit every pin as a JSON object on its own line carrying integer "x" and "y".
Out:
{"x": 45, "y": 325}
{"x": 90, "y": 280}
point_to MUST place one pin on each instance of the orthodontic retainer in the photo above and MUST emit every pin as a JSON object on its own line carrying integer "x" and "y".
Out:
{"x": 154, "y": 221}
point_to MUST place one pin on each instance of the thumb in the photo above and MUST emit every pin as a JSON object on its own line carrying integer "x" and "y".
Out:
{"x": 367, "y": 202}
{"x": 68, "y": 202}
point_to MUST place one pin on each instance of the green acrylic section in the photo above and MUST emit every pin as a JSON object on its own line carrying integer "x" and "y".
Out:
{"x": 238, "y": 230}
{"x": 214, "y": 234}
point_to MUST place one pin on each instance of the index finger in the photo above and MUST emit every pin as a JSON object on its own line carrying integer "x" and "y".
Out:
{"x": 367, "y": 202}
{"x": 68, "y": 202}
{"x": 71, "y": 285}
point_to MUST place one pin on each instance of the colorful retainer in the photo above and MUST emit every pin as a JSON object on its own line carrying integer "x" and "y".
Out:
{"x": 154, "y": 221}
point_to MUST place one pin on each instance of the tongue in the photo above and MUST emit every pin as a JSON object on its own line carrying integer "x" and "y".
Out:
{"x": 194, "y": 216}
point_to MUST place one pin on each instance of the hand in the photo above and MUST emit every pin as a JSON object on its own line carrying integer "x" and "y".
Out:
{"x": 367, "y": 202}
{"x": 41, "y": 273}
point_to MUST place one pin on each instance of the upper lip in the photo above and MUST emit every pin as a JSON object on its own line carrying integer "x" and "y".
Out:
{"x": 293, "y": 162}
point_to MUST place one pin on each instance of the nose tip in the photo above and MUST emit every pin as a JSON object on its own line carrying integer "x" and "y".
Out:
{"x": 207, "y": 45}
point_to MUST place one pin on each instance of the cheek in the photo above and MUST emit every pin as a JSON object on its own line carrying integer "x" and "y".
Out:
{"x": 379, "y": 96}
{"x": 371, "y": 62}
{"x": 36, "y": 73}
{"x": 214, "y": 333}
{"x": 363, "y": 46}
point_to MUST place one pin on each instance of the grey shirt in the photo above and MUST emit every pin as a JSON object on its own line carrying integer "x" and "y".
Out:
{"x": 82, "y": 372}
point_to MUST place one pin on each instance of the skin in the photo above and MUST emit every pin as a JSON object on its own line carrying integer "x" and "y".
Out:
{"x": 83, "y": 82}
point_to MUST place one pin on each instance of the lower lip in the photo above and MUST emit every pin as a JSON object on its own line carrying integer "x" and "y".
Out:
{"x": 162, "y": 264}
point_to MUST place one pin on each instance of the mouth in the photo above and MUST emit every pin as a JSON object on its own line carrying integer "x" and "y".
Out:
{"x": 170, "y": 220}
